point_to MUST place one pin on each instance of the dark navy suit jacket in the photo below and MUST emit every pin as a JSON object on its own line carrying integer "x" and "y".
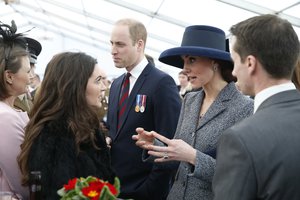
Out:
{"x": 143, "y": 180}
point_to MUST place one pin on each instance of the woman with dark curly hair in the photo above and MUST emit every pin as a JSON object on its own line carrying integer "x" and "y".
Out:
{"x": 62, "y": 139}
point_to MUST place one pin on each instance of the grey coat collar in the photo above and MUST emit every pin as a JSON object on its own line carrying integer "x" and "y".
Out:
{"x": 218, "y": 106}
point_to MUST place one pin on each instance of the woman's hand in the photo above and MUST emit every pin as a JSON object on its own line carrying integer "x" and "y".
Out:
{"x": 143, "y": 138}
{"x": 108, "y": 142}
{"x": 176, "y": 149}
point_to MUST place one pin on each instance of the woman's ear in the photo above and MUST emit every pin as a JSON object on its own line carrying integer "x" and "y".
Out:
{"x": 215, "y": 65}
{"x": 8, "y": 77}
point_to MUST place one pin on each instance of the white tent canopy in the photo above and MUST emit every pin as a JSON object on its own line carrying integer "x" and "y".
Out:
{"x": 85, "y": 25}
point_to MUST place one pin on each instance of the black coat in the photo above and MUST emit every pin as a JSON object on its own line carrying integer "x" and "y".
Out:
{"x": 54, "y": 154}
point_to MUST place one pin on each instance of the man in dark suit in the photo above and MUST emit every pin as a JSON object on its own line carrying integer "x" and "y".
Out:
{"x": 153, "y": 103}
{"x": 259, "y": 158}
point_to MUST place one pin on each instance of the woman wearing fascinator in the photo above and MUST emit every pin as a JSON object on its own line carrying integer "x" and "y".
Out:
{"x": 205, "y": 114}
{"x": 14, "y": 79}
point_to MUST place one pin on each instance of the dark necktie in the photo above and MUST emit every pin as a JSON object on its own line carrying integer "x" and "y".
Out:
{"x": 123, "y": 99}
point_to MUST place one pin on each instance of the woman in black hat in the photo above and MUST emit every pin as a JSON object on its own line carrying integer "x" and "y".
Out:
{"x": 204, "y": 115}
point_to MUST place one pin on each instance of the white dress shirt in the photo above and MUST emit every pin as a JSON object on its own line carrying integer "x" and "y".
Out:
{"x": 136, "y": 72}
{"x": 270, "y": 91}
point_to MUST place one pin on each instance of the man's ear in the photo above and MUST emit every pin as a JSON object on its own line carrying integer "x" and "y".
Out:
{"x": 8, "y": 77}
{"x": 140, "y": 44}
{"x": 251, "y": 63}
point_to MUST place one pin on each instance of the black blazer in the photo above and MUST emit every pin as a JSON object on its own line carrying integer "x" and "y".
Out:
{"x": 260, "y": 157}
{"x": 142, "y": 180}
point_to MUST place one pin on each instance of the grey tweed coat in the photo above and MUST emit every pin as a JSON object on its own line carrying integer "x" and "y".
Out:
{"x": 230, "y": 107}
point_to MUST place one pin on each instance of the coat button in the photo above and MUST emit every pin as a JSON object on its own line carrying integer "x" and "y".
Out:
{"x": 193, "y": 134}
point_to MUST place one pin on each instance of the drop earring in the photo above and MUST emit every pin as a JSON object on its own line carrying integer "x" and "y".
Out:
{"x": 215, "y": 67}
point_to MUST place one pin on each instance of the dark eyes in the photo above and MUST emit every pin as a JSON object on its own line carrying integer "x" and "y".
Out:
{"x": 119, "y": 44}
{"x": 191, "y": 60}
{"x": 99, "y": 79}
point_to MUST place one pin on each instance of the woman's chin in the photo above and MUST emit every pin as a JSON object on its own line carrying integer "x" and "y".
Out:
{"x": 195, "y": 85}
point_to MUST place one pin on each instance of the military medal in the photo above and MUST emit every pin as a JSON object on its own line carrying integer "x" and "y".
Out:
{"x": 143, "y": 106}
{"x": 142, "y": 109}
{"x": 137, "y": 108}
{"x": 137, "y": 104}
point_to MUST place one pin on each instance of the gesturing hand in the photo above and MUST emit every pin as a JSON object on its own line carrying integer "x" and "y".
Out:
{"x": 176, "y": 149}
{"x": 143, "y": 138}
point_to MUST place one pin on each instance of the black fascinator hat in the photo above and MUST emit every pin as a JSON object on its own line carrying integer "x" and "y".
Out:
{"x": 10, "y": 37}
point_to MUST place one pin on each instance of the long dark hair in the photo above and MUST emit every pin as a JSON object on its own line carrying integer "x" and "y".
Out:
{"x": 226, "y": 68}
{"x": 62, "y": 97}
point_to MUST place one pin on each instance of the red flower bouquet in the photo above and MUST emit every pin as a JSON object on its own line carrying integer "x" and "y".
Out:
{"x": 90, "y": 188}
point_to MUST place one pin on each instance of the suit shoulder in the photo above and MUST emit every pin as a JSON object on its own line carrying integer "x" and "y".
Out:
{"x": 244, "y": 129}
{"x": 159, "y": 72}
{"x": 160, "y": 78}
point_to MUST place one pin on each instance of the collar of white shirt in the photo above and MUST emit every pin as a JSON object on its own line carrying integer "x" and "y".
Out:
{"x": 270, "y": 91}
{"x": 136, "y": 72}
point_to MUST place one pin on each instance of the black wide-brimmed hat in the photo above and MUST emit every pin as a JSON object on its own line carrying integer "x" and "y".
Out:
{"x": 34, "y": 48}
{"x": 198, "y": 40}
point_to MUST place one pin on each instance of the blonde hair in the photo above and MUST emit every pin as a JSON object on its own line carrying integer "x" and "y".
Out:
{"x": 137, "y": 30}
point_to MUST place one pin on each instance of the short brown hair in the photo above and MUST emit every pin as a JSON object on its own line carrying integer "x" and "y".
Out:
{"x": 272, "y": 40}
{"x": 137, "y": 29}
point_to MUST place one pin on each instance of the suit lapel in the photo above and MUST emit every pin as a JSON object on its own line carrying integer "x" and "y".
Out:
{"x": 132, "y": 96}
{"x": 218, "y": 106}
{"x": 114, "y": 97}
{"x": 193, "y": 117}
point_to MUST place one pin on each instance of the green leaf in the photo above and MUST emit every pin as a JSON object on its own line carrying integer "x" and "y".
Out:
{"x": 61, "y": 192}
{"x": 117, "y": 185}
